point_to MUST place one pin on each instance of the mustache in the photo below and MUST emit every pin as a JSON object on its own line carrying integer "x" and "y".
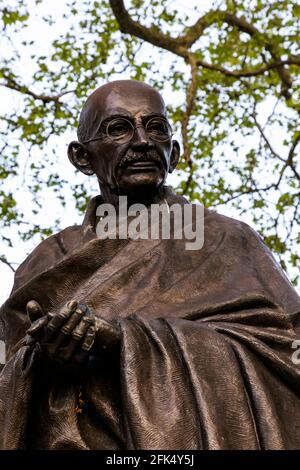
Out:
{"x": 132, "y": 157}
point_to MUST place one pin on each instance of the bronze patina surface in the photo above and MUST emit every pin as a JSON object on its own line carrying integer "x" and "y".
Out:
{"x": 142, "y": 344}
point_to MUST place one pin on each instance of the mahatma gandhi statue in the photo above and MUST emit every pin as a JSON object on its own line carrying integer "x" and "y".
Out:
{"x": 139, "y": 343}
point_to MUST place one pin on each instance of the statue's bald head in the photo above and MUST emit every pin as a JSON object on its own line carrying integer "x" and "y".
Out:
{"x": 125, "y": 166}
{"x": 115, "y": 98}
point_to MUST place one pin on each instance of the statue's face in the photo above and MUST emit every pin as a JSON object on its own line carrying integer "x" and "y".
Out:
{"x": 139, "y": 162}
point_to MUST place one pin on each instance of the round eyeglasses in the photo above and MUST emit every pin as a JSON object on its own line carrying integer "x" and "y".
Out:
{"x": 121, "y": 130}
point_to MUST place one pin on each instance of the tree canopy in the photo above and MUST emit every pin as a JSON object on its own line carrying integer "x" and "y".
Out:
{"x": 230, "y": 72}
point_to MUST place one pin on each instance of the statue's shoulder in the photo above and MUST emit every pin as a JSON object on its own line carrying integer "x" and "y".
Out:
{"x": 49, "y": 252}
{"x": 233, "y": 228}
{"x": 236, "y": 231}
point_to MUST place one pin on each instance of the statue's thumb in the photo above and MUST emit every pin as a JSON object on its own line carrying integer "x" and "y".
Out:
{"x": 34, "y": 310}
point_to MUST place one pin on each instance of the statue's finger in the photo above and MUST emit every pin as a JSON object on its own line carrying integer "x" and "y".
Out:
{"x": 61, "y": 346}
{"x": 89, "y": 338}
{"x": 72, "y": 304}
{"x": 34, "y": 310}
{"x": 87, "y": 310}
{"x": 56, "y": 322}
{"x": 81, "y": 329}
{"x": 37, "y": 326}
{"x": 59, "y": 319}
{"x": 108, "y": 334}
{"x": 75, "y": 319}
{"x": 70, "y": 346}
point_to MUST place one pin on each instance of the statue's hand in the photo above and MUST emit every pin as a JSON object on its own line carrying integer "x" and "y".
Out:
{"x": 67, "y": 336}
{"x": 107, "y": 335}
{"x": 38, "y": 321}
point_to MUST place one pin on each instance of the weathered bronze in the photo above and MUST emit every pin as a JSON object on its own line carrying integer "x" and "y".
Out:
{"x": 142, "y": 344}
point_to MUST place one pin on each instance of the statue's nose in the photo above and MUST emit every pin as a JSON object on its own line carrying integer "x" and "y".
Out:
{"x": 140, "y": 138}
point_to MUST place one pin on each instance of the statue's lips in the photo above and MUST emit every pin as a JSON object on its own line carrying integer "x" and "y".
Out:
{"x": 142, "y": 166}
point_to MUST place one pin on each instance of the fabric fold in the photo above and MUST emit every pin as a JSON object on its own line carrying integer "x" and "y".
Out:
{"x": 206, "y": 349}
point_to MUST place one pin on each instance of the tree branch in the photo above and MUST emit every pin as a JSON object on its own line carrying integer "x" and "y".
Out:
{"x": 190, "y": 101}
{"x": 4, "y": 260}
{"x": 157, "y": 38}
{"x": 180, "y": 45}
{"x": 12, "y": 84}
{"x": 259, "y": 127}
{"x": 243, "y": 193}
{"x": 195, "y": 31}
{"x": 243, "y": 25}
{"x": 291, "y": 154}
{"x": 287, "y": 162}
{"x": 248, "y": 72}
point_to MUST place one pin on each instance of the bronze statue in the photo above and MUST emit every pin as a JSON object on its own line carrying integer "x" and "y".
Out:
{"x": 142, "y": 344}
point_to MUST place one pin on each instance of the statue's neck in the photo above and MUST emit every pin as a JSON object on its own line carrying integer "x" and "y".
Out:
{"x": 142, "y": 196}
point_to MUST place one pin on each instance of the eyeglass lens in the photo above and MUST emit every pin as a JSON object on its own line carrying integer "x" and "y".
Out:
{"x": 122, "y": 130}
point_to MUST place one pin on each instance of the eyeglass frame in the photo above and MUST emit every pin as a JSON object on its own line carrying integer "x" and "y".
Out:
{"x": 134, "y": 127}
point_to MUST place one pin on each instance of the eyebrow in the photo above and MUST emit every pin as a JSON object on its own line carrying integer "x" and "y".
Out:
{"x": 130, "y": 118}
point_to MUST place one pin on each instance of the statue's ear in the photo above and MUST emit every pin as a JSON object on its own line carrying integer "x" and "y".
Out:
{"x": 175, "y": 154}
{"x": 78, "y": 156}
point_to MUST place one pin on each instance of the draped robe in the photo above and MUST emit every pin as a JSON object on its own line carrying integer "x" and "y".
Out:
{"x": 205, "y": 358}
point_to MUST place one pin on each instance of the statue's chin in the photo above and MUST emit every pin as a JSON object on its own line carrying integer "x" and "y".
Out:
{"x": 140, "y": 180}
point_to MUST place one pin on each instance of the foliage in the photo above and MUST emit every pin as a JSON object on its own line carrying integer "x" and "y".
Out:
{"x": 232, "y": 75}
